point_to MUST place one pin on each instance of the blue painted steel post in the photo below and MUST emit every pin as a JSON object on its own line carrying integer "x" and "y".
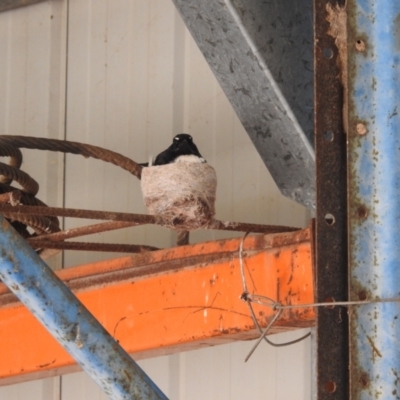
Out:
{"x": 374, "y": 196}
{"x": 56, "y": 307}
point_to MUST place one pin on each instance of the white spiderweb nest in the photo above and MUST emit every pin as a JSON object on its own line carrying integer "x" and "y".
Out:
{"x": 182, "y": 193}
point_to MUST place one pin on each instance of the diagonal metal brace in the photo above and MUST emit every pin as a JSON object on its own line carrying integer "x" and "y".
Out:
{"x": 222, "y": 32}
{"x": 69, "y": 321}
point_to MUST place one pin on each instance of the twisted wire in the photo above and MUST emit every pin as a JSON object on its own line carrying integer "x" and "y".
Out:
{"x": 86, "y": 150}
{"x": 10, "y": 147}
{"x": 10, "y": 173}
{"x": 15, "y": 155}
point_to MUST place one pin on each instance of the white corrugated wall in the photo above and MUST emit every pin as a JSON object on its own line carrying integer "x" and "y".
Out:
{"x": 126, "y": 75}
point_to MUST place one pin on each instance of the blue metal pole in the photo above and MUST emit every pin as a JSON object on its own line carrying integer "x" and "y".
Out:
{"x": 75, "y": 328}
{"x": 374, "y": 196}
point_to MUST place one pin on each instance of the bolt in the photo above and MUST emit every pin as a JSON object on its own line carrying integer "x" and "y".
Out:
{"x": 361, "y": 129}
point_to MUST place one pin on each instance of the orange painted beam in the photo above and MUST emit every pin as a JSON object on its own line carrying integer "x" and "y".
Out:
{"x": 167, "y": 301}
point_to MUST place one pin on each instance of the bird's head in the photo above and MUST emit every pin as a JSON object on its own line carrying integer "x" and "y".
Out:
{"x": 183, "y": 144}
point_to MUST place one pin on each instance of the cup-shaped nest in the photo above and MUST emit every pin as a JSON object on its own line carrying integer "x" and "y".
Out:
{"x": 183, "y": 194}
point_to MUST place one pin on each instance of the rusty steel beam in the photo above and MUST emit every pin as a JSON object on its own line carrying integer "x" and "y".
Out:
{"x": 331, "y": 217}
{"x": 168, "y": 301}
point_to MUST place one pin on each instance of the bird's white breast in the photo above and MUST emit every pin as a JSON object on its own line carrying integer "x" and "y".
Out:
{"x": 190, "y": 159}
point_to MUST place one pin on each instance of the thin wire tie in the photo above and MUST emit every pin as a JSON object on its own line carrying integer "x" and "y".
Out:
{"x": 277, "y": 315}
{"x": 246, "y": 296}
{"x": 276, "y": 306}
{"x": 266, "y": 301}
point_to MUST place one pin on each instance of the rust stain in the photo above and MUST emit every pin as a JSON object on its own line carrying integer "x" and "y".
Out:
{"x": 337, "y": 18}
{"x": 374, "y": 348}
{"x": 47, "y": 364}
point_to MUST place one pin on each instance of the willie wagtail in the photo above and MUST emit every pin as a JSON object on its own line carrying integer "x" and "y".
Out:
{"x": 182, "y": 149}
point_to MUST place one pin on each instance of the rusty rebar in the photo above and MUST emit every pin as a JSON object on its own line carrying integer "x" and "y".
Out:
{"x": 85, "y": 246}
{"x": 245, "y": 227}
{"x": 139, "y": 218}
{"x": 40, "y": 224}
{"x": 45, "y": 223}
{"x": 27, "y": 199}
{"x": 85, "y": 230}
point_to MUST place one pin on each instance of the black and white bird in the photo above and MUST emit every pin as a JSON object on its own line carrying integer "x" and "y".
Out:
{"x": 182, "y": 149}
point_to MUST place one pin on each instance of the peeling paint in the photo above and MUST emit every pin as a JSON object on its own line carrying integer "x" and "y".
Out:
{"x": 374, "y": 194}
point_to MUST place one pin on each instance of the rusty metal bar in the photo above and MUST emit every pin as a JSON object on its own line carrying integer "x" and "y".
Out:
{"x": 69, "y": 321}
{"x": 84, "y": 230}
{"x": 374, "y": 196}
{"x": 254, "y": 228}
{"x": 138, "y": 218}
{"x": 111, "y": 247}
{"x": 331, "y": 234}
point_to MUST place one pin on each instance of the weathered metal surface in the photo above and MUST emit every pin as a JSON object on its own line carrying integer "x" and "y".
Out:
{"x": 331, "y": 218}
{"x": 69, "y": 321}
{"x": 143, "y": 265}
{"x": 170, "y": 300}
{"x": 374, "y": 195}
{"x": 239, "y": 40}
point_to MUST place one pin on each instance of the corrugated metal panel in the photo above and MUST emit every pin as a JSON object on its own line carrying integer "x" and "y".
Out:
{"x": 135, "y": 79}
{"x": 32, "y": 94}
{"x": 219, "y": 373}
{"x": 32, "y": 102}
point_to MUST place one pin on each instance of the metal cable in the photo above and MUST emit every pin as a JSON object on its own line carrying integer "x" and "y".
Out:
{"x": 86, "y": 150}
{"x": 10, "y": 174}
{"x": 10, "y": 147}
{"x": 15, "y": 158}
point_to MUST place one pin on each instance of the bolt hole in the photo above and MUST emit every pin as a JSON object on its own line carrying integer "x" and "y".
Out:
{"x": 330, "y": 387}
{"x": 329, "y": 219}
{"x": 327, "y": 52}
{"x": 362, "y": 212}
{"x": 328, "y": 136}
{"x": 330, "y": 300}
{"x": 360, "y": 45}
{"x": 362, "y": 295}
